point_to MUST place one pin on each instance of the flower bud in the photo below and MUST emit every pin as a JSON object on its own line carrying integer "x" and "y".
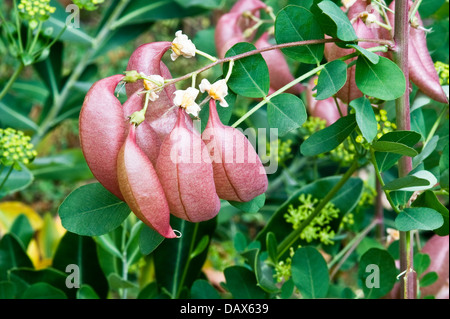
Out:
{"x": 102, "y": 127}
{"x": 238, "y": 172}
{"x": 141, "y": 188}
{"x": 186, "y": 174}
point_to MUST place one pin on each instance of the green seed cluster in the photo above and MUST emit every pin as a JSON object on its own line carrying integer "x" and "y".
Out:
{"x": 15, "y": 147}
{"x": 281, "y": 149}
{"x": 34, "y": 11}
{"x": 89, "y": 5}
{"x": 319, "y": 228}
{"x": 442, "y": 70}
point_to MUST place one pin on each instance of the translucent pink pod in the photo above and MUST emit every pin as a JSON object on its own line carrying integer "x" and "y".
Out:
{"x": 186, "y": 174}
{"x": 421, "y": 67}
{"x": 102, "y": 127}
{"x": 350, "y": 91}
{"x": 231, "y": 26}
{"x": 146, "y": 137}
{"x": 141, "y": 188}
{"x": 437, "y": 248}
{"x": 238, "y": 172}
{"x": 279, "y": 71}
{"x": 147, "y": 59}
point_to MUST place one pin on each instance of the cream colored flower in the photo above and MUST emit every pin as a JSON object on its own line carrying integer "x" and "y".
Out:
{"x": 181, "y": 45}
{"x": 186, "y": 100}
{"x": 153, "y": 83}
{"x": 217, "y": 91}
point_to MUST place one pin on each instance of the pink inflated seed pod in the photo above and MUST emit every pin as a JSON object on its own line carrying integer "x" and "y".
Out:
{"x": 421, "y": 67}
{"x": 437, "y": 248}
{"x": 147, "y": 59}
{"x": 141, "y": 188}
{"x": 231, "y": 26}
{"x": 186, "y": 174}
{"x": 238, "y": 172}
{"x": 102, "y": 126}
{"x": 146, "y": 138}
{"x": 332, "y": 52}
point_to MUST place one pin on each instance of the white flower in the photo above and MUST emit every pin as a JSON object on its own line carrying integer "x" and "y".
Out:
{"x": 181, "y": 45}
{"x": 186, "y": 100}
{"x": 153, "y": 83}
{"x": 217, "y": 91}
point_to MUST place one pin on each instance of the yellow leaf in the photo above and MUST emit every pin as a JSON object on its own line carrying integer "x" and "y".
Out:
{"x": 9, "y": 211}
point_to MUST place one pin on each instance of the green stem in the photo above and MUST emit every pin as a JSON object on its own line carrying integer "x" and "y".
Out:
{"x": 19, "y": 35}
{"x": 124, "y": 291}
{"x": 206, "y": 55}
{"x": 11, "y": 81}
{"x": 380, "y": 180}
{"x": 186, "y": 267}
{"x": 7, "y": 176}
{"x": 36, "y": 36}
{"x": 294, "y": 235}
{"x": 343, "y": 255}
{"x": 435, "y": 126}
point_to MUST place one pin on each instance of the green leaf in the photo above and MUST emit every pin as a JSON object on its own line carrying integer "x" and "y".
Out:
{"x": 17, "y": 180}
{"x": 207, "y": 4}
{"x": 342, "y": 28}
{"x": 12, "y": 255}
{"x": 43, "y": 290}
{"x": 372, "y": 57}
{"x": 444, "y": 168}
{"x": 201, "y": 289}
{"x": 22, "y": 229}
{"x": 422, "y": 218}
{"x": 310, "y": 273}
{"x": 393, "y": 147}
{"x": 383, "y": 80}
{"x": 7, "y": 290}
{"x": 272, "y": 247}
{"x": 201, "y": 246}
{"x": 330, "y": 137}
{"x": 149, "y": 240}
{"x": 424, "y": 175}
{"x": 23, "y": 278}
{"x": 250, "y": 76}
{"x": 82, "y": 252}
{"x": 429, "y": 199}
{"x": 365, "y": 117}
{"x": 421, "y": 263}
{"x": 287, "y": 289}
{"x": 11, "y": 117}
{"x": 116, "y": 282}
{"x": 426, "y": 152}
{"x": 428, "y": 279}
{"x": 252, "y": 206}
{"x": 69, "y": 165}
{"x": 241, "y": 283}
{"x": 86, "y": 292}
{"x": 139, "y": 11}
{"x": 91, "y": 210}
{"x": 295, "y": 23}
{"x": 331, "y": 79}
{"x": 170, "y": 267}
{"x": 286, "y": 112}
{"x": 404, "y": 183}
{"x": 386, "y": 160}
{"x": 263, "y": 272}
{"x": 377, "y": 273}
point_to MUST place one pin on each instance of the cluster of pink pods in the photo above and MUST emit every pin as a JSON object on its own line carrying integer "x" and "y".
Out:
{"x": 164, "y": 165}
